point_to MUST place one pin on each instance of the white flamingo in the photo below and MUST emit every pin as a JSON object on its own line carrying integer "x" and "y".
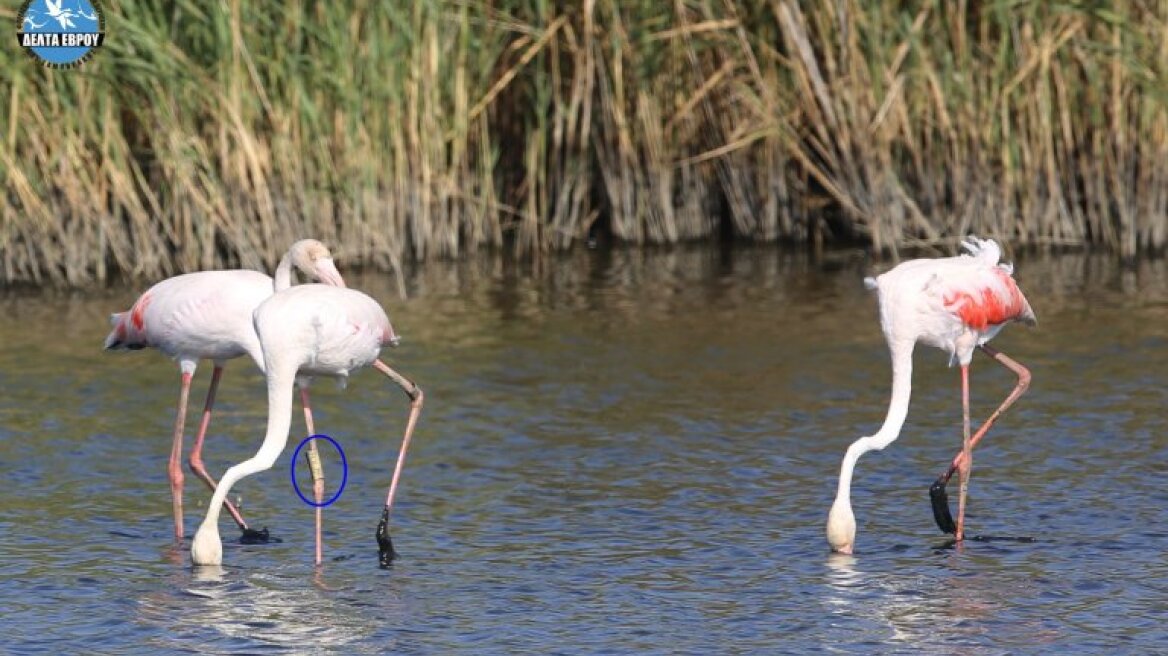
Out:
{"x": 312, "y": 330}
{"x": 956, "y": 304}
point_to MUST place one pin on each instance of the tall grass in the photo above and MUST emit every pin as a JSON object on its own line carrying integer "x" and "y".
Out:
{"x": 1040, "y": 122}
{"x": 212, "y": 135}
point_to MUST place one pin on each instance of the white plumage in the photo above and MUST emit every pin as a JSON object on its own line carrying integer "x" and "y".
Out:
{"x": 311, "y": 330}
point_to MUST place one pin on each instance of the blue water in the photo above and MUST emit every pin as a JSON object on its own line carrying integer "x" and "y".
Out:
{"x": 622, "y": 453}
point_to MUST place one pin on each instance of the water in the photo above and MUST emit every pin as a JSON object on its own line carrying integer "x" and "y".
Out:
{"x": 619, "y": 453}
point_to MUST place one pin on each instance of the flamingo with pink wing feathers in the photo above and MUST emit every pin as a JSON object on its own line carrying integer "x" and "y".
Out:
{"x": 956, "y": 304}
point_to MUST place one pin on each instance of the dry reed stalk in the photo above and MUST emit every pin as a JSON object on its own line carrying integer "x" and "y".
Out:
{"x": 571, "y": 215}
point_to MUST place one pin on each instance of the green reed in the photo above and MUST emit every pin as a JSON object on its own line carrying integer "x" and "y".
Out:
{"x": 213, "y": 135}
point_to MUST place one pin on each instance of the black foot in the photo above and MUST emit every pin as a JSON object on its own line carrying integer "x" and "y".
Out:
{"x": 252, "y": 536}
{"x": 941, "y": 506}
{"x": 385, "y": 552}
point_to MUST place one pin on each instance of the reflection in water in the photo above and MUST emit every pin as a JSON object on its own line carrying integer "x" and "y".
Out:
{"x": 223, "y": 607}
{"x": 262, "y": 609}
{"x": 896, "y": 605}
{"x": 884, "y": 600}
{"x": 625, "y": 451}
{"x": 209, "y": 574}
{"x": 946, "y": 609}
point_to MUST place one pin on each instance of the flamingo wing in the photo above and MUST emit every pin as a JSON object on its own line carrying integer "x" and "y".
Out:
{"x": 986, "y": 297}
{"x": 199, "y": 315}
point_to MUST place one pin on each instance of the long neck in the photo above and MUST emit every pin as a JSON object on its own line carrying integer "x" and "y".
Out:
{"x": 281, "y": 281}
{"x": 280, "y": 382}
{"x": 283, "y": 278}
{"x": 901, "y": 352}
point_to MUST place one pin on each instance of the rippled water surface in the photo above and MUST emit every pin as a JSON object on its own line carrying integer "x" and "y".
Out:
{"x": 619, "y": 453}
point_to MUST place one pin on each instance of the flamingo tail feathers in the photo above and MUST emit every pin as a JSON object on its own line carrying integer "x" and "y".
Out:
{"x": 118, "y": 338}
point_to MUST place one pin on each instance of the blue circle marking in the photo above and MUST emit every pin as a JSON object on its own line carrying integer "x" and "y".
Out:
{"x": 344, "y": 474}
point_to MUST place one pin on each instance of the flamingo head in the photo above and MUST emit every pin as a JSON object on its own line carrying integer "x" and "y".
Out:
{"x": 841, "y": 526}
{"x": 314, "y": 260}
{"x": 207, "y": 548}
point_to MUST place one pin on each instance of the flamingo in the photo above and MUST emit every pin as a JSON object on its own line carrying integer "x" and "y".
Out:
{"x": 207, "y": 315}
{"x": 312, "y": 330}
{"x": 956, "y": 304}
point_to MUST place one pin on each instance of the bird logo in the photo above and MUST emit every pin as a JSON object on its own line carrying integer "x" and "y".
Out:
{"x": 61, "y": 33}
{"x": 63, "y": 16}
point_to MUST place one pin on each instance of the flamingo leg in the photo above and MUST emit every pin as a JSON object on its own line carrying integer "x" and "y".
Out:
{"x": 966, "y": 454}
{"x": 937, "y": 490}
{"x": 317, "y": 472}
{"x": 386, "y": 553}
{"x": 196, "y": 459}
{"x": 174, "y": 467}
{"x": 199, "y": 469}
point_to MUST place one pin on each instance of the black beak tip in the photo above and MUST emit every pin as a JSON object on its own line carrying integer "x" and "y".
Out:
{"x": 940, "y": 501}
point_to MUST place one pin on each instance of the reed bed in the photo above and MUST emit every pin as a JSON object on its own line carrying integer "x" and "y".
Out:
{"x": 212, "y": 135}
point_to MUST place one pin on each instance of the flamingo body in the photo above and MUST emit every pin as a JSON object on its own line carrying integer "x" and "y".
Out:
{"x": 953, "y": 303}
{"x": 196, "y": 316}
{"x": 323, "y": 331}
{"x": 956, "y": 304}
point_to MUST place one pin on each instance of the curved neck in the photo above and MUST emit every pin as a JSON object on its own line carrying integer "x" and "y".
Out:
{"x": 283, "y": 277}
{"x": 280, "y": 392}
{"x": 901, "y": 353}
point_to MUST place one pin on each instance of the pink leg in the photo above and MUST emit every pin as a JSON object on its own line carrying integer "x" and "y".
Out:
{"x": 317, "y": 473}
{"x": 196, "y": 460}
{"x": 174, "y": 467}
{"x": 385, "y": 545}
{"x": 1020, "y": 388}
{"x": 937, "y": 491}
{"x": 966, "y": 453}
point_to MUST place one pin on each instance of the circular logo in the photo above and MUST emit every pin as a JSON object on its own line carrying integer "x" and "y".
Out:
{"x": 61, "y": 33}
{"x": 344, "y": 470}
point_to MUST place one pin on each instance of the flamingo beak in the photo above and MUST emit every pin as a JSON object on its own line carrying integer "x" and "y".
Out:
{"x": 326, "y": 272}
{"x": 395, "y": 340}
